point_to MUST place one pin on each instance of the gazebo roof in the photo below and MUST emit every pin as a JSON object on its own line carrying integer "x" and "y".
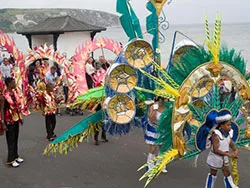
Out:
{"x": 60, "y": 25}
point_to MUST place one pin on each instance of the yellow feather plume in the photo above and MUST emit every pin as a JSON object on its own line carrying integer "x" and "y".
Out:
{"x": 213, "y": 44}
{"x": 163, "y": 160}
{"x": 164, "y": 86}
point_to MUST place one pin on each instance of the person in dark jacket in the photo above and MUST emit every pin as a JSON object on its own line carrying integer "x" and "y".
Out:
{"x": 103, "y": 136}
{"x": 32, "y": 76}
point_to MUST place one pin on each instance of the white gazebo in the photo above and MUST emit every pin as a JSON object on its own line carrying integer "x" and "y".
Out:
{"x": 64, "y": 33}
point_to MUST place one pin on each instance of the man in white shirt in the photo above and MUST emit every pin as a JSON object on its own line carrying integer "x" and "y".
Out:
{"x": 6, "y": 69}
{"x": 51, "y": 76}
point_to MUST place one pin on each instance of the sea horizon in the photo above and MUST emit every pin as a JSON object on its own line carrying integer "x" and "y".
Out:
{"x": 233, "y": 36}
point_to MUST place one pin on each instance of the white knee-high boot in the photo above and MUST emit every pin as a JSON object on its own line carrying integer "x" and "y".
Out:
{"x": 229, "y": 182}
{"x": 210, "y": 181}
{"x": 150, "y": 157}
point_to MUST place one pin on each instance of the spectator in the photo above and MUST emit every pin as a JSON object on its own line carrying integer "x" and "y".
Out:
{"x": 90, "y": 71}
{"x": 65, "y": 88}
{"x": 12, "y": 60}
{"x": 58, "y": 69}
{"x": 37, "y": 65}
{"x": 6, "y": 68}
{"x": 96, "y": 64}
{"x": 32, "y": 76}
{"x": 51, "y": 76}
{"x": 104, "y": 63}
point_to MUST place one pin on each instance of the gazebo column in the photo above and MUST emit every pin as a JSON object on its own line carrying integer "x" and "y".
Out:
{"x": 29, "y": 37}
{"x": 92, "y": 36}
{"x": 55, "y": 38}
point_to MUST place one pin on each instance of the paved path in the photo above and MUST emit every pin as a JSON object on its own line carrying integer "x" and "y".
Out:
{"x": 109, "y": 165}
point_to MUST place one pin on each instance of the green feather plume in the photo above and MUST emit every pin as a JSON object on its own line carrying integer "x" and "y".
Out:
{"x": 196, "y": 112}
{"x": 243, "y": 142}
{"x": 165, "y": 128}
{"x": 187, "y": 63}
{"x": 233, "y": 58}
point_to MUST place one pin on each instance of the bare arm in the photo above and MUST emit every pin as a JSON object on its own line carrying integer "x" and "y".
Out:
{"x": 151, "y": 114}
{"x": 234, "y": 148}
{"x": 215, "y": 139}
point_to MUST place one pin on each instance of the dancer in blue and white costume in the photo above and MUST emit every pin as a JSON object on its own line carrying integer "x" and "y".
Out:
{"x": 151, "y": 135}
{"x": 218, "y": 157}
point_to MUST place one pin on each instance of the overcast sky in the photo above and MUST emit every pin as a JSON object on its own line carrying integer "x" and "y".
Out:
{"x": 178, "y": 12}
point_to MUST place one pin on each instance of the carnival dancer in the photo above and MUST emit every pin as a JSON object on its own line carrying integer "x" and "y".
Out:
{"x": 49, "y": 111}
{"x": 103, "y": 135}
{"x": 11, "y": 111}
{"x": 218, "y": 157}
{"x": 2, "y": 124}
{"x": 53, "y": 78}
{"x": 151, "y": 135}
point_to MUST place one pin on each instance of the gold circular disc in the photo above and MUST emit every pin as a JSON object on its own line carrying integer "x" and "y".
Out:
{"x": 139, "y": 53}
{"x": 121, "y": 109}
{"x": 122, "y": 78}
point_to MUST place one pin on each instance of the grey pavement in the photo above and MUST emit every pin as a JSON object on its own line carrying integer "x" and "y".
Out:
{"x": 109, "y": 165}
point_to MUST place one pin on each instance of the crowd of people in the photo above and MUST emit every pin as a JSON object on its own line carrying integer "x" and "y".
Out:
{"x": 94, "y": 69}
{"x": 11, "y": 115}
{"x": 40, "y": 72}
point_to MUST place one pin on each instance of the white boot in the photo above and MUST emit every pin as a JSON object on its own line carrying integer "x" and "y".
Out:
{"x": 229, "y": 182}
{"x": 210, "y": 181}
{"x": 150, "y": 157}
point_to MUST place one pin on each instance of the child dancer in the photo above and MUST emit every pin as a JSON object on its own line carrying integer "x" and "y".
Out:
{"x": 219, "y": 155}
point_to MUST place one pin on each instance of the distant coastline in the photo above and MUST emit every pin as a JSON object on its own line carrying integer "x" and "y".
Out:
{"x": 12, "y": 20}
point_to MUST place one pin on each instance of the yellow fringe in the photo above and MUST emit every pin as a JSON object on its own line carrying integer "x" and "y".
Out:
{"x": 235, "y": 171}
{"x": 84, "y": 104}
{"x": 72, "y": 142}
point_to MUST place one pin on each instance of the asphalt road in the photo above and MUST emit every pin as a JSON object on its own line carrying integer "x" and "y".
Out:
{"x": 109, "y": 165}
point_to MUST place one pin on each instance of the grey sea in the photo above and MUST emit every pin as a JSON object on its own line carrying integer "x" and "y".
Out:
{"x": 233, "y": 35}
